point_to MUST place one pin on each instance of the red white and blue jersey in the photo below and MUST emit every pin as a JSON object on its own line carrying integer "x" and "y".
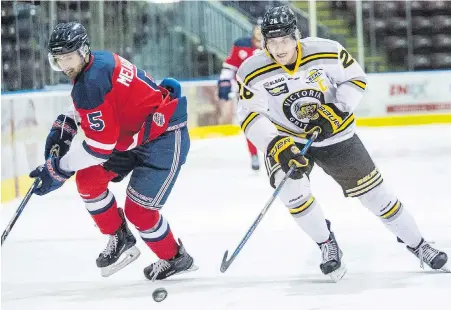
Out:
{"x": 119, "y": 107}
{"x": 241, "y": 50}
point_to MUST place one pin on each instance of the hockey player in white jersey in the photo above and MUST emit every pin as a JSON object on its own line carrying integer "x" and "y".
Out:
{"x": 291, "y": 89}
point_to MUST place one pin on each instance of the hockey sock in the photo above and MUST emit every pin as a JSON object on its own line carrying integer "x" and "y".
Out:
{"x": 153, "y": 228}
{"x": 165, "y": 248}
{"x": 310, "y": 217}
{"x": 104, "y": 212}
{"x": 92, "y": 185}
{"x": 392, "y": 214}
{"x": 306, "y": 211}
{"x": 404, "y": 227}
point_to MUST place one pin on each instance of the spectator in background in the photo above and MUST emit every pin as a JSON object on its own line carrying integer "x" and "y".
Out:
{"x": 242, "y": 49}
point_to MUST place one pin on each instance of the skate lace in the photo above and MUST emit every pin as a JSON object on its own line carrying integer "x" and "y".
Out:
{"x": 329, "y": 251}
{"x": 111, "y": 246}
{"x": 426, "y": 254}
{"x": 159, "y": 267}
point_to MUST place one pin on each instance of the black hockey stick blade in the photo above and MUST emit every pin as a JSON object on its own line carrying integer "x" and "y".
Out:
{"x": 225, "y": 264}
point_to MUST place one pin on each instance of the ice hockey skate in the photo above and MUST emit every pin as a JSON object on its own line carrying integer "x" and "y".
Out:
{"x": 162, "y": 269}
{"x": 120, "y": 250}
{"x": 435, "y": 259}
{"x": 331, "y": 253}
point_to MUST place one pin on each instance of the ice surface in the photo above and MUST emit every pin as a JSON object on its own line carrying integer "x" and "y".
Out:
{"x": 48, "y": 260}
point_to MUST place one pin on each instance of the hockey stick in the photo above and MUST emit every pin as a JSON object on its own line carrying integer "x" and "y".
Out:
{"x": 226, "y": 263}
{"x": 54, "y": 152}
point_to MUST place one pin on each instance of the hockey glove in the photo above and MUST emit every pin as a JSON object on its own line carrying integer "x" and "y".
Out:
{"x": 329, "y": 121}
{"x": 224, "y": 89}
{"x": 52, "y": 177}
{"x": 121, "y": 163}
{"x": 287, "y": 154}
{"x": 60, "y": 137}
{"x": 173, "y": 86}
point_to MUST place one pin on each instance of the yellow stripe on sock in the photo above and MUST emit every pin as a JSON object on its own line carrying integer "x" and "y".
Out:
{"x": 302, "y": 207}
{"x": 391, "y": 211}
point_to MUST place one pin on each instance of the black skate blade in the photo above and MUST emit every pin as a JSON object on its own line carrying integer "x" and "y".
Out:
{"x": 338, "y": 274}
{"x": 125, "y": 259}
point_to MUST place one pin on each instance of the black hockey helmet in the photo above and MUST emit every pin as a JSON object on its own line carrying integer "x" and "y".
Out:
{"x": 279, "y": 21}
{"x": 67, "y": 38}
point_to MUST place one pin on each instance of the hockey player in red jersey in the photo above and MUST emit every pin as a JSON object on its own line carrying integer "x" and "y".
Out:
{"x": 130, "y": 124}
{"x": 242, "y": 49}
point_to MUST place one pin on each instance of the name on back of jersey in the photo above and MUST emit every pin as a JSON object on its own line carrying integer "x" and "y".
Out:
{"x": 126, "y": 73}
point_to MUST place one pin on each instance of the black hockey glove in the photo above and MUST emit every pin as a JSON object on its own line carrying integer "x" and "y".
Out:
{"x": 329, "y": 121}
{"x": 287, "y": 154}
{"x": 51, "y": 175}
{"x": 121, "y": 163}
{"x": 60, "y": 136}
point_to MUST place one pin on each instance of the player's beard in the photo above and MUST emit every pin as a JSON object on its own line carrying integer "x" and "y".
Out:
{"x": 71, "y": 73}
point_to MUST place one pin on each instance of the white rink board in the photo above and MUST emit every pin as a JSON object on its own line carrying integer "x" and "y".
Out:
{"x": 421, "y": 92}
{"x": 48, "y": 260}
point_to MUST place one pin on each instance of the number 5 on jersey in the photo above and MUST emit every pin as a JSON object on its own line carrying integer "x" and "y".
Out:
{"x": 95, "y": 121}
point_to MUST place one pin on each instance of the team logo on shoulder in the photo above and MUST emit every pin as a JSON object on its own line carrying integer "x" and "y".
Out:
{"x": 278, "y": 90}
{"x": 302, "y": 106}
{"x": 158, "y": 119}
{"x": 242, "y": 54}
{"x": 316, "y": 76}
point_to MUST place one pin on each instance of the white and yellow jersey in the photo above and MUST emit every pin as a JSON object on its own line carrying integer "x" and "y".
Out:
{"x": 274, "y": 100}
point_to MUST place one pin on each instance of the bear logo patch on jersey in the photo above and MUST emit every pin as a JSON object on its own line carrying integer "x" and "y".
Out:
{"x": 302, "y": 106}
{"x": 158, "y": 119}
{"x": 306, "y": 110}
{"x": 278, "y": 90}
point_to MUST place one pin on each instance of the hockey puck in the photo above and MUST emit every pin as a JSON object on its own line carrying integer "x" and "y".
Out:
{"x": 159, "y": 294}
